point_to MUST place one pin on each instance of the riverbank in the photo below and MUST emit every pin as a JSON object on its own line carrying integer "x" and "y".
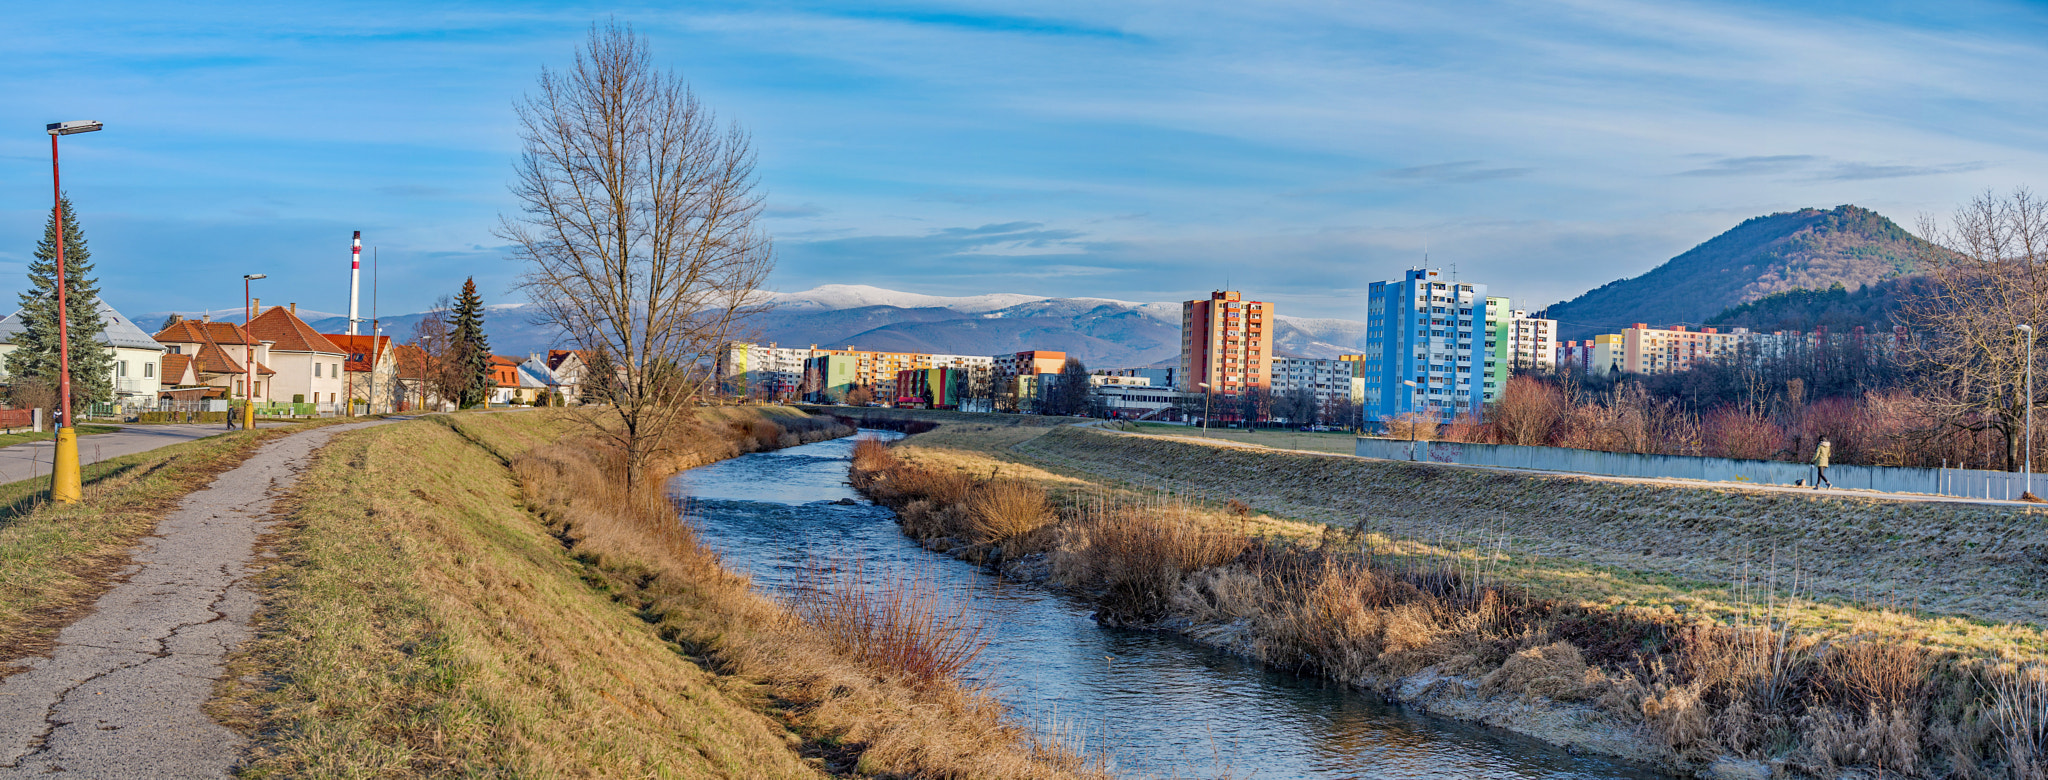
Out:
{"x": 1464, "y": 599}
{"x": 514, "y": 610}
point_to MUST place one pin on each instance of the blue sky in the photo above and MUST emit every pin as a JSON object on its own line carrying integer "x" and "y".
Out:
{"x": 1297, "y": 151}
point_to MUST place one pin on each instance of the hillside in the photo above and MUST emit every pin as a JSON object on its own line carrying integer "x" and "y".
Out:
{"x": 1837, "y": 308}
{"x": 1810, "y": 249}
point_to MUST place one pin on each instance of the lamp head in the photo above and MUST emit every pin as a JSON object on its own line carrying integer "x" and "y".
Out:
{"x": 73, "y": 127}
{"x": 253, "y": 277}
{"x": 2023, "y": 328}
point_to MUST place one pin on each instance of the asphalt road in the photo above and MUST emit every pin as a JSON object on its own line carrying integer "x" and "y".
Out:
{"x": 32, "y": 460}
{"x": 120, "y": 696}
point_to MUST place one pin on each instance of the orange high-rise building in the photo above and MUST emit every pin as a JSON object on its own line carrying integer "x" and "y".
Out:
{"x": 1226, "y": 342}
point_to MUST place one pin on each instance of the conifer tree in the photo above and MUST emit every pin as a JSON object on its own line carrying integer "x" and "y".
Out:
{"x": 35, "y": 357}
{"x": 470, "y": 350}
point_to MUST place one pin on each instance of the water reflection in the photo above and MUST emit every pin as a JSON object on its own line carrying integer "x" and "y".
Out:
{"x": 1159, "y": 704}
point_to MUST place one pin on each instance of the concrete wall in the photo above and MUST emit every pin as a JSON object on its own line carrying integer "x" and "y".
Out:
{"x": 1971, "y": 483}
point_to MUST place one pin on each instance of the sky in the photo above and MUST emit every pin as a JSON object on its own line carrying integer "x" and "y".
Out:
{"x": 1141, "y": 151}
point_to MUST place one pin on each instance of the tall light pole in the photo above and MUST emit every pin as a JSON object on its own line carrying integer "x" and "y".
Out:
{"x": 1205, "y": 406}
{"x": 2027, "y": 332}
{"x": 1413, "y": 387}
{"x": 249, "y": 353}
{"x": 66, "y": 486}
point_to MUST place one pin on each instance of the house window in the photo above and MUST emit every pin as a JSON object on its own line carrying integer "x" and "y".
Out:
{"x": 316, "y": 370}
{"x": 120, "y": 368}
{"x": 149, "y": 370}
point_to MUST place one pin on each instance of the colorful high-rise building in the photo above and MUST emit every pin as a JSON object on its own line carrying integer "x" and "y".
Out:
{"x": 1425, "y": 347}
{"x": 1500, "y": 334}
{"x": 1226, "y": 342}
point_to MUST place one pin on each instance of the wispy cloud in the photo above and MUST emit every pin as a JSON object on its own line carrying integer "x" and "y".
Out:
{"x": 1462, "y": 172}
{"x": 1753, "y": 166}
{"x": 793, "y": 211}
{"x": 1868, "y": 171}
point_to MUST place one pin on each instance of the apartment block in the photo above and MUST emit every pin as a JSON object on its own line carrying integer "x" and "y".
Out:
{"x": 1532, "y": 342}
{"x": 1226, "y": 342}
{"x": 1015, "y": 377}
{"x": 1500, "y": 335}
{"x": 1329, "y": 381}
{"x": 775, "y": 369}
{"x": 1425, "y": 347}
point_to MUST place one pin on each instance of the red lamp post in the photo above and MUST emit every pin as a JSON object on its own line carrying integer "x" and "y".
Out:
{"x": 65, "y": 484}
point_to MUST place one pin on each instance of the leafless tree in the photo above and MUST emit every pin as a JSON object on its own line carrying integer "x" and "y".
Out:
{"x": 638, "y": 230}
{"x": 1986, "y": 267}
{"x": 436, "y": 343}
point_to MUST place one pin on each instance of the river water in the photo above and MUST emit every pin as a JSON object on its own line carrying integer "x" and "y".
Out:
{"x": 1155, "y": 704}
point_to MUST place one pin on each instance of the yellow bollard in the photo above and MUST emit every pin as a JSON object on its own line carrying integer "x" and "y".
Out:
{"x": 64, "y": 486}
{"x": 249, "y": 416}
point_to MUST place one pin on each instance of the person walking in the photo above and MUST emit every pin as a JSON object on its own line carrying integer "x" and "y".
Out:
{"x": 1820, "y": 463}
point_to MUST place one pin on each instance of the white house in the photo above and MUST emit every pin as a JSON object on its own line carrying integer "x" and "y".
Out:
{"x": 138, "y": 359}
{"x": 308, "y": 365}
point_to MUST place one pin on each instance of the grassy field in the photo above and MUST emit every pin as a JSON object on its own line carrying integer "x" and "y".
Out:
{"x": 1278, "y": 438}
{"x": 514, "y": 611}
{"x": 1744, "y": 595}
{"x": 56, "y": 559}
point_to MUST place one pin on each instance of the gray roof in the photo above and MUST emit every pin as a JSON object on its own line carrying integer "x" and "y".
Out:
{"x": 119, "y": 331}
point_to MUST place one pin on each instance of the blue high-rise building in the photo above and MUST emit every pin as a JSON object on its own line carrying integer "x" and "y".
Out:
{"x": 1425, "y": 348}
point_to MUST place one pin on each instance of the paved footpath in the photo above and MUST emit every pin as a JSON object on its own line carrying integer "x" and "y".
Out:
{"x": 32, "y": 460}
{"x": 120, "y": 696}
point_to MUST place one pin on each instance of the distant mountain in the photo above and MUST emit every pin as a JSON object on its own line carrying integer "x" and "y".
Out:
{"x": 1102, "y": 332}
{"x": 1810, "y": 249}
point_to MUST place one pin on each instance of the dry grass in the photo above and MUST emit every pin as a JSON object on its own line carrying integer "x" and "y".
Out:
{"x": 1760, "y": 670}
{"x": 55, "y": 560}
{"x": 903, "y": 628}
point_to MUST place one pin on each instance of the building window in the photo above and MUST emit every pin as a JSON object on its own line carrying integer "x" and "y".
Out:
{"x": 120, "y": 368}
{"x": 149, "y": 370}
{"x": 316, "y": 370}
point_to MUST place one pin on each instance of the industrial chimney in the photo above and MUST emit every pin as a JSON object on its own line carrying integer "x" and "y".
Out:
{"x": 355, "y": 279}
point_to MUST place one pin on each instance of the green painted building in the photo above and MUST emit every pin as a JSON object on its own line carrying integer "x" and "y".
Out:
{"x": 1500, "y": 323}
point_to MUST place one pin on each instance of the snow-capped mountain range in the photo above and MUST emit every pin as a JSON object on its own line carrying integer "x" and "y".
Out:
{"x": 1102, "y": 332}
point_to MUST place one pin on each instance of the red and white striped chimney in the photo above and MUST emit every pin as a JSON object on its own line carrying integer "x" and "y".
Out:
{"x": 355, "y": 280}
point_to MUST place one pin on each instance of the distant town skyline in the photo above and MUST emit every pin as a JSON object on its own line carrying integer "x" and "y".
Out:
{"x": 1136, "y": 152}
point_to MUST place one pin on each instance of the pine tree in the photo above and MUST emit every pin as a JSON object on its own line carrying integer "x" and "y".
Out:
{"x": 470, "y": 350}
{"x": 35, "y": 357}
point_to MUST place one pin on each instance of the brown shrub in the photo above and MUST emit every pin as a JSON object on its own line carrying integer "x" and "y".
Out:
{"x": 1554, "y": 671}
{"x": 1136, "y": 558}
{"x": 900, "y": 627}
{"x": 1006, "y": 509}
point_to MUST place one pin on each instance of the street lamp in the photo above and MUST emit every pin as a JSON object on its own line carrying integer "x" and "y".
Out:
{"x": 65, "y": 484}
{"x": 2027, "y": 332}
{"x": 249, "y": 353}
{"x": 1415, "y": 387}
{"x": 1205, "y": 406}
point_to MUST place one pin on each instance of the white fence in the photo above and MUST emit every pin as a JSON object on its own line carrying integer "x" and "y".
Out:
{"x": 1967, "y": 483}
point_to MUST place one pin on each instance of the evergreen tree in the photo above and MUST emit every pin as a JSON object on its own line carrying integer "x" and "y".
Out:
{"x": 470, "y": 350}
{"x": 35, "y": 358}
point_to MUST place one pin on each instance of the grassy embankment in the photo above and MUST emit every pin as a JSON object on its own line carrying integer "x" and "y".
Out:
{"x": 1279, "y": 438}
{"x": 1619, "y": 610}
{"x": 55, "y": 560}
{"x": 513, "y": 610}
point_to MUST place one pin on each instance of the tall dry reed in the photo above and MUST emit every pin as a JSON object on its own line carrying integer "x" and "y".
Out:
{"x": 904, "y": 627}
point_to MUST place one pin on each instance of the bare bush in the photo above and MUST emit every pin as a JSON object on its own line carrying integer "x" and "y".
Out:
{"x": 1006, "y": 509}
{"x": 902, "y": 627}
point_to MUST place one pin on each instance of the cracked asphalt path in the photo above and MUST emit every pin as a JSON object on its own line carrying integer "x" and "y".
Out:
{"x": 121, "y": 695}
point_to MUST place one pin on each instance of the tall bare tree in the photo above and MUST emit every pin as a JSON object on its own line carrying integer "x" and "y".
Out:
{"x": 639, "y": 230}
{"x": 1988, "y": 267}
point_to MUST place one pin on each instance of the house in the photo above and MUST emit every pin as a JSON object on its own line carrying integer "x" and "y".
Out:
{"x": 505, "y": 387}
{"x": 137, "y": 357}
{"x": 308, "y": 365}
{"x": 411, "y": 385}
{"x": 569, "y": 367}
{"x": 535, "y": 374}
{"x": 206, "y": 359}
{"x": 369, "y": 373}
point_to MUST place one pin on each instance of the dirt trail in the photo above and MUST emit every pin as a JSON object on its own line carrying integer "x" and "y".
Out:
{"x": 121, "y": 695}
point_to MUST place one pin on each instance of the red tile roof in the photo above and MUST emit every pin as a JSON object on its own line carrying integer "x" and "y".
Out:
{"x": 359, "y": 349}
{"x": 216, "y": 359}
{"x": 175, "y": 366}
{"x": 556, "y": 356}
{"x": 290, "y": 333}
{"x": 196, "y": 332}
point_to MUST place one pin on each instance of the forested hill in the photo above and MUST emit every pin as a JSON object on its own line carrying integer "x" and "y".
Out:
{"x": 1838, "y": 308}
{"x": 1810, "y": 249}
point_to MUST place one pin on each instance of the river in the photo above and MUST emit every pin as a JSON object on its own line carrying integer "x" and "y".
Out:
{"x": 1156, "y": 704}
